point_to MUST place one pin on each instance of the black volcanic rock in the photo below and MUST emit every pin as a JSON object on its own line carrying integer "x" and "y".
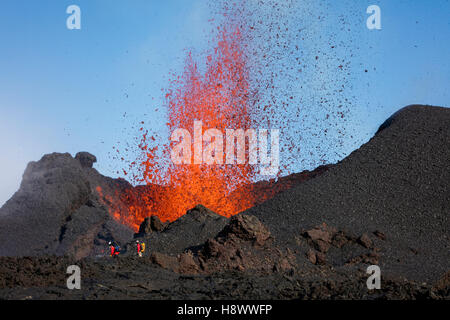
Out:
{"x": 245, "y": 227}
{"x": 57, "y": 210}
{"x": 149, "y": 278}
{"x": 200, "y": 213}
{"x": 187, "y": 233}
{"x": 244, "y": 244}
{"x": 397, "y": 184}
{"x": 149, "y": 225}
{"x": 267, "y": 189}
{"x": 86, "y": 159}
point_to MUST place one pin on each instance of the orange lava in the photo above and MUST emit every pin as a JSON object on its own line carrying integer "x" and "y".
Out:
{"x": 219, "y": 98}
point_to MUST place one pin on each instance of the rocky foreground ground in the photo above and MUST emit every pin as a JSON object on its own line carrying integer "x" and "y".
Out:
{"x": 386, "y": 204}
{"x": 239, "y": 263}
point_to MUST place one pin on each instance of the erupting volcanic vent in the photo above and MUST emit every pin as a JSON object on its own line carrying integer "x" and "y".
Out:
{"x": 219, "y": 98}
{"x": 259, "y": 74}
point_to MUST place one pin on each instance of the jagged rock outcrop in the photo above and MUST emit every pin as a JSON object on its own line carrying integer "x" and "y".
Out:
{"x": 149, "y": 225}
{"x": 86, "y": 159}
{"x": 244, "y": 244}
{"x": 247, "y": 228}
{"x": 350, "y": 249}
{"x": 57, "y": 210}
{"x": 187, "y": 233}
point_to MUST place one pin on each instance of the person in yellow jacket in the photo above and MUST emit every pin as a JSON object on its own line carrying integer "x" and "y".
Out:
{"x": 140, "y": 246}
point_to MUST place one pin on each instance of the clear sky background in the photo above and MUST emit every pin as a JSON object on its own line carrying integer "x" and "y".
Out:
{"x": 82, "y": 90}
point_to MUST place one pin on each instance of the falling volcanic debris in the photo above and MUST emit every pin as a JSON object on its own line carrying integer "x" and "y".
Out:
{"x": 219, "y": 99}
{"x": 233, "y": 88}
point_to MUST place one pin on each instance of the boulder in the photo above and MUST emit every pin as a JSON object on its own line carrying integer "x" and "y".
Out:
{"x": 187, "y": 263}
{"x": 365, "y": 241}
{"x": 246, "y": 227}
{"x": 321, "y": 237}
{"x": 149, "y": 225}
{"x": 86, "y": 159}
{"x": 201, "y": 213}
{"x": 164, "y": 261}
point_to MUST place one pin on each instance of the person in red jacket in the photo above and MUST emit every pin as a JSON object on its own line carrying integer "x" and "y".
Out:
{"x": 111, "y": 248}
{"x": 114, "y": 250}
{"x": 139, "y": 248}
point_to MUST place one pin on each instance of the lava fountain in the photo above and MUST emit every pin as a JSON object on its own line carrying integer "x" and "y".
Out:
{"x": 219, "y": 98}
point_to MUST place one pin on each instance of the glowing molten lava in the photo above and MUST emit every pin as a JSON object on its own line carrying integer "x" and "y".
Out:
{"x": 219, "y": 98}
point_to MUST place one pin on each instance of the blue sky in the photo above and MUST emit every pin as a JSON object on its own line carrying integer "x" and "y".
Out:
{"x": 68, "y": 90}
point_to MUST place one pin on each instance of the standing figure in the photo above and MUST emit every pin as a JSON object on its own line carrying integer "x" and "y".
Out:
{"x": 139, "y": 248}
{"x": 114, "y": 250}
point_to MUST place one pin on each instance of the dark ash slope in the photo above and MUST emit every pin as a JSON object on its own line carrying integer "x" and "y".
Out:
{"x": 397, "y": 183}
